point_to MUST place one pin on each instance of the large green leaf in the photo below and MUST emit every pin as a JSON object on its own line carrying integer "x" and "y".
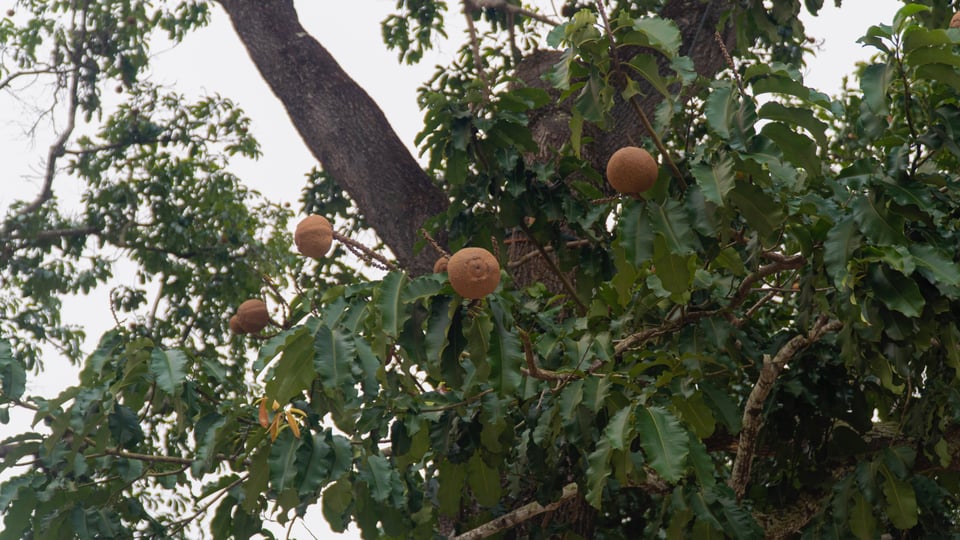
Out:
{"x": 168, "y": 369}
{"x": 506, "y": 355}
{"x": 897, "y": 291}
{"x": 802, "y": 117}
{"x": 671, "y": 222}
{"x": 386, "y": 298}
{"x": 484, "y": 481}
{"x": 662, "y": 34}
{"x": 619, "y": 430}
{"x": 796, "y": 147}
{"x": 317, "y": 471}
{"x": 334, "y": 354}
{"x": 901, "y": 502}
{"x": 877, "y": 222}
{"x": 663, "y": 440}
{"x": 635, "y": 234}
{"x": 715, "y": 179}
{"x": 283, "y": 462}
{"x": 380, "y": 477}
{"x": 13, "y": 377}
{"x": 935, "y": 265}
{"x": 695, "y": 412}
{"x": 842, "y": 241}
{"x": 452, "y": 478}
{"x": 598, "y": 469}
{"x": 337, "y": 499}
{"x": 673, "y": 270}
{"x": 124, "y": 426}
{"x": 759, "y": 209}
{"x": 731, "y": 116}
{"x": 294, "y": 371}
{"x": 874, "y": 82}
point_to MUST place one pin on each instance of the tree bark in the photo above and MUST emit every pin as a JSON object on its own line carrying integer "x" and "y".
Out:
{"x": 342, "y": 126}
{"x": 349, "y": 135}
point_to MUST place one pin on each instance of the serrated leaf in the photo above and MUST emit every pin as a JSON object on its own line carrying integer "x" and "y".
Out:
{"x": 619, "y": 430}
{"x": 168, "y": 369}
{"x": 258, "y": 480}
{"x": 662, "y": 34}
{"x": 715, "y": 179}
{"x": 802, "y": 117}
{"x": 874, "y": 82}
{"x": 759, "y": 209}
{"x": 635, "y": 234}
{"x": 671, "y": 222}
{"x": 294, "y": 371}
{"x": 598, "y": 469}
{"x": 283, "y": 462}
{"x": 484, "y": 481}
{"x": 334, "y": 354}
{"x": 316, "y": 473}
{"x": 695, "y": 412}
{"x": 664, "y": 441}
{"x": 124, "y": 425}
{"x": 935, "y": 265}
{"x": 877, "y": 222}
{"x": 673, "y": 270}
{"x": 386, "y": 298}
{"x": 702, "y": 463}
{"x": 13, "y": 377}
{"x": 841, "y": 243}
{"x": 337, "y": 499}
{"x": 452, "y": 479}
{"x": 797, "y": 148}
{"x": 506, "y": 354}
{"x": 379, "y": 476}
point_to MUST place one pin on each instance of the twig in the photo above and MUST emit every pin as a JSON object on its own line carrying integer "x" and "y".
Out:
{"x": 753, "y": 411}
{"x": 730, "y": 64}
{"x": 502, "y": 5}
{"x": 467, "y": 401}
{"x": 364, "y": 252}
{"x": 475, "y": 50}
{"x": 436, "y": 245}
{"x": 549, "y": 249}
{"x": 518, "y": 516}
{"x": 554, "y": 268}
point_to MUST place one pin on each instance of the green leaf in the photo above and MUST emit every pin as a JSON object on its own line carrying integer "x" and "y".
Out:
{"x": 13, "y": 377}
{"x": 940, "y": 73}
{"x": 506, "y": 354}
{"x": 731, "y": 116}
{"x": 716, "y": 179}
{"x": 874, "y": 84}
{"x": 380, "y": 477}
{"x": 862, "y": 522}
{"x": 337, "y": 499}
{"x": 635, "y": 234}
{"x": 841, "y": 243}
{"x": 283, "y": 462}
{"x": 169, "y": 369}
{"x": 598, "y": 469}
{"x": 672, "y": 222}
{"x": 647, "y": 67}
{"x": 452, "y": 478}
{"x": 877, "y": 222}
{"x": 759, "y": 209}
{"x": 662, "y": 34}
{"x": 619, "y": 430}
{"x": 673, "y": 270}
{"x": 317, "y": 471}
{"x": 903, "y": 15}
{"x": 935, "y": 265}
{"x": 797, "y": 148}
{"x": 702, "y": 463}
{"x": 694, "y": 411}
{"x": 897, "y": 291}
{"x": 294, "y": 372}
{"x": 334, "y": 354}
{"x": 901, "y": 502}
{"x": 484, "y": 481}
{"x": 386, "y": 298}
{"x": 124, "y": 426}
{"x": 725, "y": 405}
{"x": 664, "y": 441}
{"x": 802, "y": 117}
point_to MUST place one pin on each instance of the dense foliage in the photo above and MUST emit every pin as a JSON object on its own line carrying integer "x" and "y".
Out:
{"x": 764, "y": 344}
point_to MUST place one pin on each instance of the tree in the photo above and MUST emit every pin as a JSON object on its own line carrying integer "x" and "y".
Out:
{"x": 764, "y": 344}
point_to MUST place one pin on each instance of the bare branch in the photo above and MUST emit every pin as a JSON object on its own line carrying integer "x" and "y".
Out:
{"x": 502, "y": 5}
{"x": 518, "y": 516}
{"x": 753, "y": 411}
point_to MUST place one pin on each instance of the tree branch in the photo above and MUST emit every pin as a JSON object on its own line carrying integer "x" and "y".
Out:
{"x": 342, "y": 126}
{"x": 518, "y": 516}
{"x": 502, "y": 5}
{"x": 753, "y": 411}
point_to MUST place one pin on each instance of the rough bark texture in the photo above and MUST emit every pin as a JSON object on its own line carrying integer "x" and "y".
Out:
{"x": 341, "y": 125}
{"x": 349, "y": 135}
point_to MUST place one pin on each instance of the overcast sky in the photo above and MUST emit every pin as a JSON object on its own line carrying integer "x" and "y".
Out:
{"x": 213, "y": 61}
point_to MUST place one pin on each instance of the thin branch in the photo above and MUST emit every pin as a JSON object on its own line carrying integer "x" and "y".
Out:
{"x": 753, "y": 411}
{"x": 502, "y": 5}
{"x": 554, "y": 268}
{"x": 467, "y": 401}
{"x": 518, "y": 516}
{"x": 364, "y": 252}
{"x": 549, "y": 249}
{"x": 53, "y": 234}
{"x": 475, "y": 50}
{"x": 6, "y": 81}
{"x": 116, "y": 452}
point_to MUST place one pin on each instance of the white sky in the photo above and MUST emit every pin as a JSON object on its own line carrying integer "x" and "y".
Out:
{"x": 213, "y": 61}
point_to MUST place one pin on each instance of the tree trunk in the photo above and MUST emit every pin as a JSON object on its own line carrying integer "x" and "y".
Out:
{"x": 342, "y": 126}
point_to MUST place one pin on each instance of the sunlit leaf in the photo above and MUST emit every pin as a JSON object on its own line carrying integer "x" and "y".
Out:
{"x": 664, "y": 441}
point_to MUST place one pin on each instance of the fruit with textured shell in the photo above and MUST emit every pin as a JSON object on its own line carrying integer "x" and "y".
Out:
{"x": 235, "y": 325}
{"x": 955, "y": 20}
{"x": 632, "y": 170}
{"x": 252, "y": 316}
{"x": 441, "y": 265}
{"x": 313, "y": 236}
{"x": 474, "y": 272}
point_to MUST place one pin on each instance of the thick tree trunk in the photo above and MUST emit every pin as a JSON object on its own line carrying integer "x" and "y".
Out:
{"x": 341, "y": 125}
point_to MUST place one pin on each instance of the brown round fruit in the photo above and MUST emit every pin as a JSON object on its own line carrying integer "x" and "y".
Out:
{"x": 631, "y": 170}
{"x": 252, "y": 316}
{"x": 474, "y": 272}
{"x": 955, "y": 20}
{"x": 441, "y": 264}
{"x": 235, "y": 325}
{"x": 314, "y": 236}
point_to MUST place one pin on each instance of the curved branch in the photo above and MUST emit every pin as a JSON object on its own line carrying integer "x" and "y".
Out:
{"x": 518, "y": 516}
